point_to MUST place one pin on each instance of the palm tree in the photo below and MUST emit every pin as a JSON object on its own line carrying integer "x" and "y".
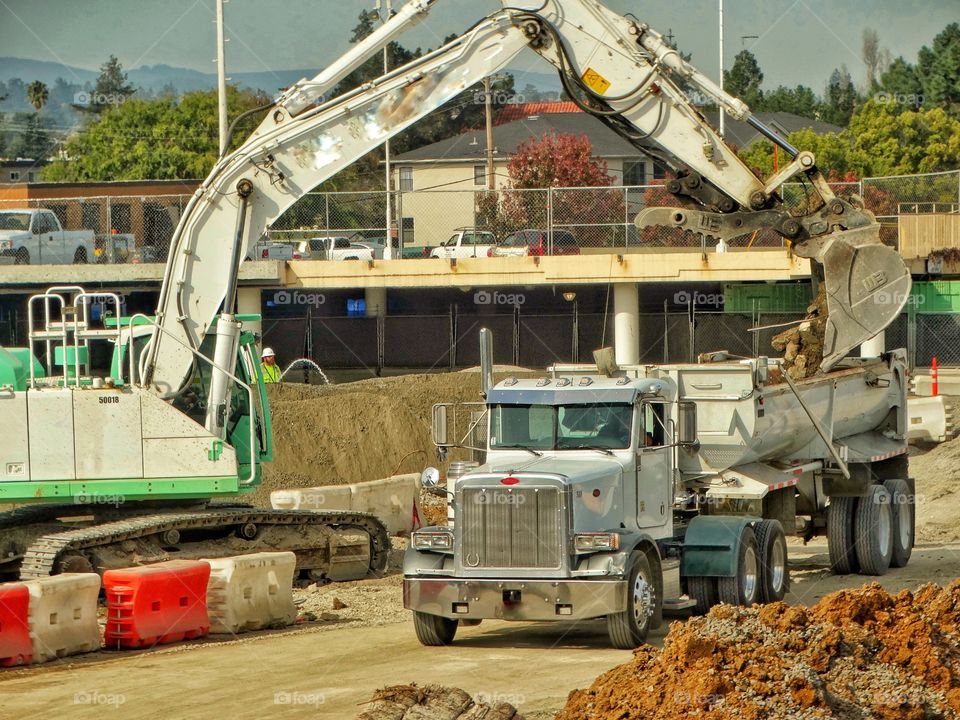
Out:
{"x": 37, "y": 94}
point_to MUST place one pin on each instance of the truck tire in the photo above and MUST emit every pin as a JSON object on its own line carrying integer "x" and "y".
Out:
{"x": 744, "y": 587}
{"x": 702, "y": 590}
{"x": 80, "y": 256}
{"x": 434, "y": 630}
{"x": 840, "y": 541}
{"x": 903, "y": 510}
{"x": 873, "y": 531}
{"x": 629, "y": 629}
{"x": 22, "y": 257}
{"x": 772, "y": 552}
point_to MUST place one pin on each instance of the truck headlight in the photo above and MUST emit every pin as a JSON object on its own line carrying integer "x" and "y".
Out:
{"x": 596, "y": 542}
{"x": 434, "y": 540}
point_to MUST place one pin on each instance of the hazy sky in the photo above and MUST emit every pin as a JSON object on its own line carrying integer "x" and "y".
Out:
{"x": 800, "y": 41}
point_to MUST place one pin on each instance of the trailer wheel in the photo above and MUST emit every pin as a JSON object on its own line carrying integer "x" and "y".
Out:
{"x": 772, "y": 549}
{"x": 744, "y": 587}
{"x": 703, "y": 590}
{"x": 629, "y": 629}
{"x": 840, "y": 541}
{"x": 873, "y": 531}
{"x": 904, "y": 518}
{"x": 433, "y": 629}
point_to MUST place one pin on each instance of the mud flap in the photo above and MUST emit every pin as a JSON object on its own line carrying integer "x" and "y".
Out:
{"x": 867, "y": 285}
{"x": 710, "y": 545}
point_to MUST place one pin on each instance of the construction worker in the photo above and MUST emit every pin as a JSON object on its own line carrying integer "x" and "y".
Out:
{"x": 268, "y": 366}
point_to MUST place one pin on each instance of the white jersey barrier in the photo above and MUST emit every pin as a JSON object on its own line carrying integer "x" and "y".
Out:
{"x": 251, "y": 592}
{"x": 393, "y": 500}
{"x": 62, "y": 615}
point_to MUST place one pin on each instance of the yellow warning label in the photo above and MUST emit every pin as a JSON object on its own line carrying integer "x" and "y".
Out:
{"x": 595, "y": 81}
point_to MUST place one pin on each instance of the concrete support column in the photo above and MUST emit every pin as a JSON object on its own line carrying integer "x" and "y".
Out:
{"x": 874, "y": 346}
{"x": 248, "y": 303}
{"x": 626, "y": 323}
{"x": 375, "y": 302}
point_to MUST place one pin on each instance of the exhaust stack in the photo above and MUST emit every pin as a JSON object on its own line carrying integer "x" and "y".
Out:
{"x": 486, "y": 361}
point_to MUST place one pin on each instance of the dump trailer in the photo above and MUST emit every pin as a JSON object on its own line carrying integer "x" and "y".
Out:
{"x": 663, "y": 488}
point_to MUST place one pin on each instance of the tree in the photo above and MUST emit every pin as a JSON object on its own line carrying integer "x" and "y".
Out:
{"x": 938, "y": 69}
{"x": 744, "y": 79}
{"x": 875, "y": 58}
{"x": 34, "y": 140}
{"x": 37, "y": 94}
{"x": 153, "y": 139}
{"x": 900, "y": 84}
{"x": 111, "y": 88}
{"x": 800, "y": 100}
{"x": 840, "y": 100}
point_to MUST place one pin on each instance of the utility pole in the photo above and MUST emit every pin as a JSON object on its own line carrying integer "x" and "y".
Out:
{"x": 221, "y": 80}
{"x": 488, "y": 107}
{"x": 722, "y": 114}
{"x": 388, "y": 244}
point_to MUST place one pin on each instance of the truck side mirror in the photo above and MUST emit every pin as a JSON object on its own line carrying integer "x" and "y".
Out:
{"x": 687, "y": 423}
{"x": 440, "y": 425}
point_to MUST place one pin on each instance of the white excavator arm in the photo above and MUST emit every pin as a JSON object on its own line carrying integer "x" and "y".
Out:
{"x": 614, "y": 67}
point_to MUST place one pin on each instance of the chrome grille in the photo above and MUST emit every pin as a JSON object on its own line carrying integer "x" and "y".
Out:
{"x": 510, "y": 527}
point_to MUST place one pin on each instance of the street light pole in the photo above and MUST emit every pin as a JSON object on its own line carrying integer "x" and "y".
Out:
{"x": 388, "y": 244}
{"x": 488, "y": 108}
{"x": 722, "y": 114}
{"x": 221, "y": 80}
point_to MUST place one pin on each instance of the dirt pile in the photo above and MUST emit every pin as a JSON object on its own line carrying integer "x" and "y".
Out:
{"x": 802, "y": 345}
{"x": 937, "y": 473}
{"x": 359, "y": 431}
{"x": 858, "y": 653}
{"x": 434, "y": 702}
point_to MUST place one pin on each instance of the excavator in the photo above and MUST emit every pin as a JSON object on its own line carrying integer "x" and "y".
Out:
{"x": 147, "y": 462}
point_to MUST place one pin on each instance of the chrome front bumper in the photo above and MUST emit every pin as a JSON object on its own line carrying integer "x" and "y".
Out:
{"x": 477, "y": 599}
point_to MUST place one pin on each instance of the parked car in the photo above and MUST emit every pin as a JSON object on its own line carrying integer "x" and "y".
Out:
{"x": 332, "y": 248}
{"x": 537, "y": 242}
{"x": 35, "y": 236}
{"x": 465, "y": 243}
{"x": 272, "y": 250}
{"x": 417, "y": 251}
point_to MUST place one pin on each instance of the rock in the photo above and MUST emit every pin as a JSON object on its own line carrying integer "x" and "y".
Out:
{"x": 338, "y": 604}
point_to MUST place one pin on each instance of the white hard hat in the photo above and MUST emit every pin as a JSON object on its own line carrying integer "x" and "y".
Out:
{"x": 267, "y": 352}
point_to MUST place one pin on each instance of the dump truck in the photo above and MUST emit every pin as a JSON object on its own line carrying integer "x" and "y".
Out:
{"x": 661, "y": 488}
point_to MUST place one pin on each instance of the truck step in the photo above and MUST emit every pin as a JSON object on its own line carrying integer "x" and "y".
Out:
{"x": 677, "y": 604}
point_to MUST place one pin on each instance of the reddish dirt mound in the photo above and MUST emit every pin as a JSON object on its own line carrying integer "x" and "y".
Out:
{"x": 859, "y": 653}
{"x": 433, "y": 702}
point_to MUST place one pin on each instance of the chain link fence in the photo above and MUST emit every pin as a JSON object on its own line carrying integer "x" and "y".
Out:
{"x": 596, "y": 219}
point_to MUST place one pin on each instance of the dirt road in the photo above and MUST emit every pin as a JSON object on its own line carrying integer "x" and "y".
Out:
{"x": 329, "y": 671}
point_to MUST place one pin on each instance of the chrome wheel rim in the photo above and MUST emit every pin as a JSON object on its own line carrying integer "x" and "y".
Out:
{"x": 903, "y": 516}
{"x": 778, "y": 566}
{"x": 749, "y": 574}
{"x": 884, "y": 528}
{"x": 643, "y": 600}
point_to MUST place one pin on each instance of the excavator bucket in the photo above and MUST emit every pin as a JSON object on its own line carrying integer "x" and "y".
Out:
{"x": 867, "y": 286}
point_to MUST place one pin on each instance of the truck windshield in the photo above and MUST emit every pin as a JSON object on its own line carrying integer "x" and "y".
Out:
{"x": 14, "y": 221}
{"x": 561, "y": 427}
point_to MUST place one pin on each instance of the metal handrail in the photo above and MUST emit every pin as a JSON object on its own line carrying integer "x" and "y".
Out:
{"x": 135, "y": 380}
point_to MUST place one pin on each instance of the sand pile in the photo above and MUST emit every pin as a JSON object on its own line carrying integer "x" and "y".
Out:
{"x": 434, "y": 702}
{"x": 359, "y": 431}
{"x": 937, "y": 472}
{"x": 858, "y": 653}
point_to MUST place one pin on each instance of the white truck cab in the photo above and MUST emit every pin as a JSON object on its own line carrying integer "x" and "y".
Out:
{"x": 466, "y": 243}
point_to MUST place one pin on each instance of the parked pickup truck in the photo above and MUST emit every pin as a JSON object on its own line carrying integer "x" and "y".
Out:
{"x": 35, "y": 236}
{"x": 333, "y": 248}
{"x": 271, "y": 250}
{"x": 466, "y": 243}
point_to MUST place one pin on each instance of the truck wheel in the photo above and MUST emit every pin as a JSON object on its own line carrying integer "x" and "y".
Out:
{"x": 703, "y": 590}
{"x": 22, "y": 257}
{"x": 772, "y": 549}
{"x": 434, "y": 629}
{"x": 843, "y": 555}
{"x": 744, "y": 587}
{"x": 904, "y": 519}
{"x": 80, "y": 256}
{"x": 629, "y": 629}
{"x": 873, "y": 531}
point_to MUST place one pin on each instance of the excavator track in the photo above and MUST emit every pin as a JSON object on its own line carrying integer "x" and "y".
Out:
{"x": 44, "y": 554}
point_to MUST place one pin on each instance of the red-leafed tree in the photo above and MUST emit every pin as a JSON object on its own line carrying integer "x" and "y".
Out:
{"x": 558, "y": 161}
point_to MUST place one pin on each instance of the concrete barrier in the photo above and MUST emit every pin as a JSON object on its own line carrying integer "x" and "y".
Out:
{"x": 251, "y": 592}
{"x": 929, "y": 419}
{"x": 394, "y": 500}
{"x": 63, "y": 615}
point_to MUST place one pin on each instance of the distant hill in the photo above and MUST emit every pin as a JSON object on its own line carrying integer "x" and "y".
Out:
{"x": 156, "y": 77}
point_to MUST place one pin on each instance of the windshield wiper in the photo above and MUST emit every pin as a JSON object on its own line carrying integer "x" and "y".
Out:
{"x": 605, "y": 451}
{"x": 537, "y": 453}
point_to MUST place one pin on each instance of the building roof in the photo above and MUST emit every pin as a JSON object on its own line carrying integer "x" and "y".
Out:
{"x": 538, "y": 119}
